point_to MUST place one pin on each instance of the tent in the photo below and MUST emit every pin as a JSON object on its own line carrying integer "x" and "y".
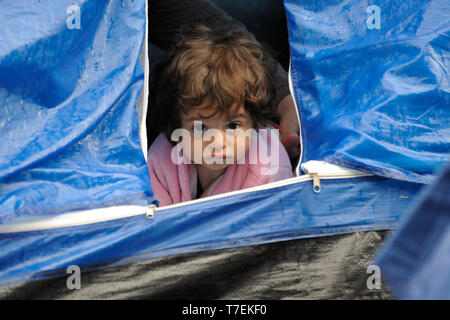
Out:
{"x": 371, "y": 85}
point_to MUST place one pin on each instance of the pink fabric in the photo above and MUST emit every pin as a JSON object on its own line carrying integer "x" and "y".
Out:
{"x": 173, "y": 183}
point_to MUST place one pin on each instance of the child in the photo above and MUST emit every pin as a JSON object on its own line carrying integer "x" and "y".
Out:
{"x": 213, "y": 95}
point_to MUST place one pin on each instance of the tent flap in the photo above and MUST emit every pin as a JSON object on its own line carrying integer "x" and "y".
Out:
{"x": 416, "y": 260}
{"x": 371, "y": 82}
{"x": 70, "y": 78}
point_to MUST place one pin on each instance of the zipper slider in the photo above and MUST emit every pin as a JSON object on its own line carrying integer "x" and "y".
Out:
{"x": 328, "y": 171}
{"x": 150, "y": 211}
{"x": 316, "y": 182}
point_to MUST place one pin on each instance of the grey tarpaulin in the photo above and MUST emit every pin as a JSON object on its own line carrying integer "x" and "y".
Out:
{"x": 332, "y": 267}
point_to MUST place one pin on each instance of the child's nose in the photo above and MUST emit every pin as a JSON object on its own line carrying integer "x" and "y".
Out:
{"x": 220, "y": 142}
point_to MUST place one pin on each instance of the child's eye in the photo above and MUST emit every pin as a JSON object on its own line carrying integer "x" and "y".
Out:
{"x": 234, "y": 125}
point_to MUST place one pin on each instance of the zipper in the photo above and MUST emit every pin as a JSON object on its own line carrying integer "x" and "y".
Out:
{"x": 291, "y": 90}
{"x": 76, "y": 218}
{"x": 142, "y": 102}
{"x": 315, "y": 170}
{"x": 323, "y": 170}
{"x": 316, "y": 183}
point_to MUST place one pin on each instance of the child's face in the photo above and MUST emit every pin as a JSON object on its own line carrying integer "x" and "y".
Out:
{"x": 232, "y": 143}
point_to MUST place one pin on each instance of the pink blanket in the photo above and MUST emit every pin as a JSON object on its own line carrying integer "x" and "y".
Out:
{"x": 173, "y": 183}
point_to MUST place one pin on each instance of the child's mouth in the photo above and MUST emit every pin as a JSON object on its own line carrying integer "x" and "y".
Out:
{"x": 219, "y": 158}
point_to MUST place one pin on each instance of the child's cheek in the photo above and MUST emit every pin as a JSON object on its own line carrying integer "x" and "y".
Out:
{"x": 190, "y": 148}
{"x": 197, "y": 145}
{"x": 241, "y": 144}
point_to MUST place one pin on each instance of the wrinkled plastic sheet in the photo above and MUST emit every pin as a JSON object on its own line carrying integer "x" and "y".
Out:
{"x": 376, "y": 100}
{"x": 416, "y": 260}
{"x": 319, "y": 268}
{"x": 68, "y": 120}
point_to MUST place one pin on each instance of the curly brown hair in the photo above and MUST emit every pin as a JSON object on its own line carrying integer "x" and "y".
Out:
{"x": 211, "y": 68}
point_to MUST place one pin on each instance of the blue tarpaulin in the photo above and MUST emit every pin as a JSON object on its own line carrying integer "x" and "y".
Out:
{"x": 69, "y": 81}
{"x": 371, "y": 78}
{"x": 287, "y": 212}
{"x": 371, "y": 99}
{"x": 416, "y": 261}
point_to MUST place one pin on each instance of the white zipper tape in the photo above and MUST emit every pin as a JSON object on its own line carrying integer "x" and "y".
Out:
{"x": 143, "y": 97}
{"x": 74, "y": 218}
{"x": 79, "y": 218}
{"x": 291, "y": 89}
{"x": 320, "y": 169}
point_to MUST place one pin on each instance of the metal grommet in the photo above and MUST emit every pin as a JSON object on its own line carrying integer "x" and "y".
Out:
{"x": 150, "y": 211}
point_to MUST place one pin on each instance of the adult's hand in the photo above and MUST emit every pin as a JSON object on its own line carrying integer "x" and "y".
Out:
{"x": 289, "y": 127}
